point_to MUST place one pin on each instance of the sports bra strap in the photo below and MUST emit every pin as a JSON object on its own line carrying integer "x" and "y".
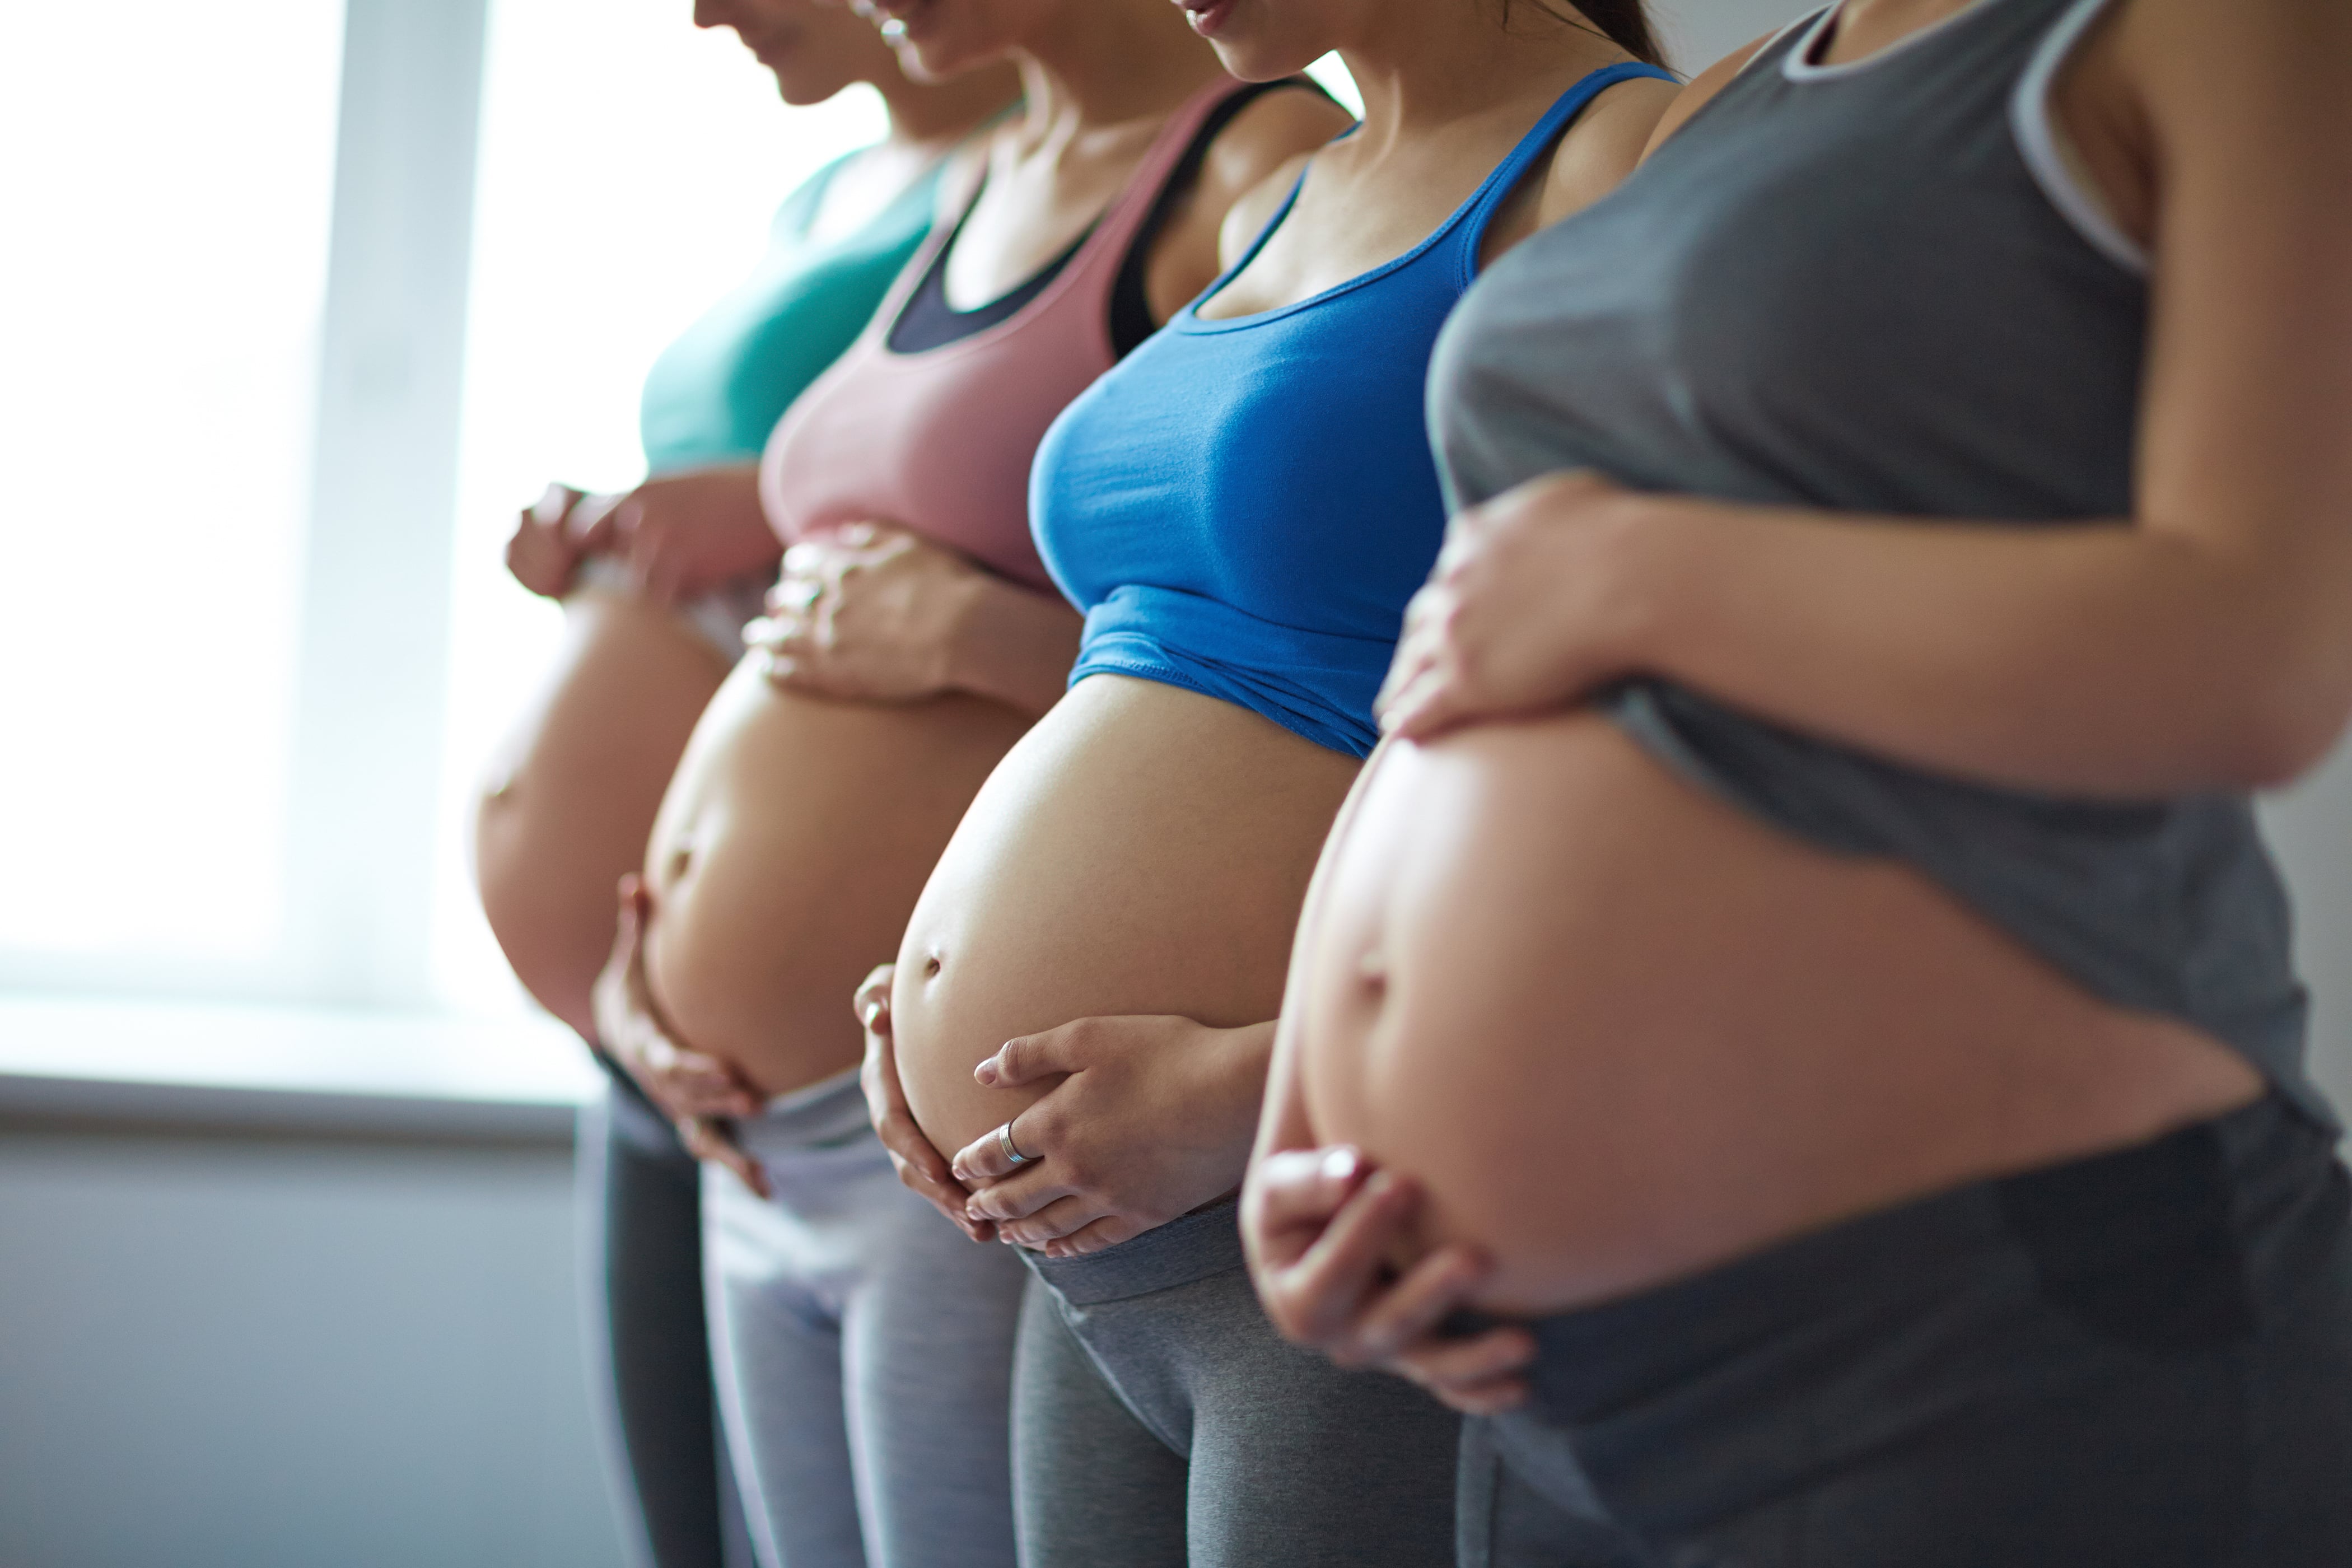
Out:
{"x": 1463, "y": 232}
{"x": 1104, "y": 246}
{"x": 1540, "y": 140}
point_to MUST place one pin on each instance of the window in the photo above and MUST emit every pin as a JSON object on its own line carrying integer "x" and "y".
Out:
{"x": 629, "y": 167}
{"x": 169, "y": 191}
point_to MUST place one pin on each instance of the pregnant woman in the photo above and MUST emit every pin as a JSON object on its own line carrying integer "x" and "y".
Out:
{"x": 1836, "y": 996}
{"x": 657, "y": 584}
{"x": 1244, "y": 508}
{"x": 864, "y": 1347}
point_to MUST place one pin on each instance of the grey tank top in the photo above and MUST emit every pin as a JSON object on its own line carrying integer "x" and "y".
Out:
{"x": 1879, "y": 288}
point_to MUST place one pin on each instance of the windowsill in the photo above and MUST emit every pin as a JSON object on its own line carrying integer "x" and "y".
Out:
{"x": 289, "y": 1069}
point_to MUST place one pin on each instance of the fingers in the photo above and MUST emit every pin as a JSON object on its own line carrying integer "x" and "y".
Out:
{"x": 1321, "y": 1295}
{"x": 1299, "y": 1190}
{"x": 1033, "y": 1057}
{"x": 1433, "y": 703}
{"x": 985, "y": 1159}
{"x": 1107, "y": 1231}
{"x": 695, "y": 1084}
{"x": 921, "y": 1167}
{"x": 1022, "y": 1197}
{"x": 1411, "y": 1309}
{"x": 1063, "y": 1216}
{"x": 1479, "y": 1375}
{"x": 872, "y": 1001}
{"x": 593, "y": 523}
{"x": 922, "y": 1172}
{"x": 707, "y": 1140}
{"x": 554, "y": 504}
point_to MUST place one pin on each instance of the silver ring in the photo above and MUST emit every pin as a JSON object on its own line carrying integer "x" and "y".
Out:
{"x": 1004, "y": 1141}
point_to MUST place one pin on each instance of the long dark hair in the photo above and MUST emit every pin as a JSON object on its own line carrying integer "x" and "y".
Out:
{"x": 1624, "y": 23}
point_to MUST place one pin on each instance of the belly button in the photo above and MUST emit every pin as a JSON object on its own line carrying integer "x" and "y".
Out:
{"x": 681, "y": 858}
{"x": 1373, "y": 969}
{"x": 932, "y": 964}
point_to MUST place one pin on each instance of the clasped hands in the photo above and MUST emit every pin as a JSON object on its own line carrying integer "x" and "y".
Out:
{"x": 867, "y": 612}
{"x": 680, "y": 534}
{"x": 1143, "y": 1120}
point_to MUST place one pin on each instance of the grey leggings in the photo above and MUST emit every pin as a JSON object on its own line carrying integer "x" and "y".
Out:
{"x": 1159, "y": 1422}
{"x": 640, "y": 1204}
{"x": 2140, "y": 1359}
{"x": 864, "y": 1348}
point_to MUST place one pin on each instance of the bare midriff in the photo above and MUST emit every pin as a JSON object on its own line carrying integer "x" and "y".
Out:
{"x": 787, "y": 856}
{"x": 574, "y": 789}
{"x": 1622, "y": 1032}
{"x": 1143, "y": 851}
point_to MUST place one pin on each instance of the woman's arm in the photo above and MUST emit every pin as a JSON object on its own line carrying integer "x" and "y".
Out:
{"x": 683, "y": 534}
{"x": 2205, "y": 644}
{"x": 877, "y": 613}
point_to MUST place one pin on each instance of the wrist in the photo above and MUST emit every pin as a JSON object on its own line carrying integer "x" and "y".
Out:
{"x": 1239, "y": 1062}
{"x": 1652, "y": 566}
{"x": 1011, "y": 644}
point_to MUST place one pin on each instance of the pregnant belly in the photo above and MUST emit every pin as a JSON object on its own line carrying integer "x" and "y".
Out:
{"x": 1622, "y": 1032}
{"x": 788, "y": 853}
{"x": 1144, "y": 851}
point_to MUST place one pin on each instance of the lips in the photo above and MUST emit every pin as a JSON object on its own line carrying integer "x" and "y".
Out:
{"x": 1207, "y": 15}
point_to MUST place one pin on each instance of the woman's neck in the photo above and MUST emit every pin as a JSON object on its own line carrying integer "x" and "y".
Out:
{"x": 927, "y": 119}
{"x": 1101, "y": 63}
{"x": 1430, "y": 63}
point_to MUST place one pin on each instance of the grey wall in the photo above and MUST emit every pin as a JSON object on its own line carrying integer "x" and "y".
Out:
{"x": 290, "y": 1355}
{"x": 1701, "y": 32}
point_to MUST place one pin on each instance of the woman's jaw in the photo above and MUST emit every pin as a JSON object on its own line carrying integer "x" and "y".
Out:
{"x": 1263, "y": 40}
{"x": 936, "y": 39}
{"x": 813, "y": 50}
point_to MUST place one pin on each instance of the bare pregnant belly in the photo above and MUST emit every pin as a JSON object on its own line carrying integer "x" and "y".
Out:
{"x": 1144, "y": 851}
{"x": 788, "y": 853}
{"x": 1622, "y": 1032}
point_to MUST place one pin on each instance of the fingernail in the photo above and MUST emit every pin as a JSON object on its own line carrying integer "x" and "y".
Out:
{"x": 1342, "y": 1164}
{"x": 986, "y": 1071}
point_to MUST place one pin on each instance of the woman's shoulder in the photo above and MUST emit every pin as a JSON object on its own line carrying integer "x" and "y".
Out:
{"x": 1703, "y": 88}
{"x": 1605, "y": 145}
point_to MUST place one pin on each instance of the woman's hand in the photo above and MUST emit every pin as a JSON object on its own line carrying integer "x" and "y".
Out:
{"x": 1321, "y": 1227}
{"x": 1532, "y": 605}
{"x": 867, "y": 612}
{"x": 542, "y": 553}
{"x": 1152, "y": 1117}
{"x": 683, "y": 534}
{"x": 695, "y": 1090}
{"x": 920, "y": 1166}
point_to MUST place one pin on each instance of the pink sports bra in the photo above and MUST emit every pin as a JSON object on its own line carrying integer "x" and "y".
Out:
{"x": 939, "y": 441}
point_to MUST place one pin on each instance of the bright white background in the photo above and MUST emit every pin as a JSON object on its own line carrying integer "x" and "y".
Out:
{"x": 166, "y": 184}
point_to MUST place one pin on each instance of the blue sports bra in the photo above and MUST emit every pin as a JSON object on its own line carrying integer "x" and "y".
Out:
{"x": 1243, "y": 506}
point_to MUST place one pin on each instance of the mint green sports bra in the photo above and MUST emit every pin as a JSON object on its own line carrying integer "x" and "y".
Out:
{"x": 714, "y": 395}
